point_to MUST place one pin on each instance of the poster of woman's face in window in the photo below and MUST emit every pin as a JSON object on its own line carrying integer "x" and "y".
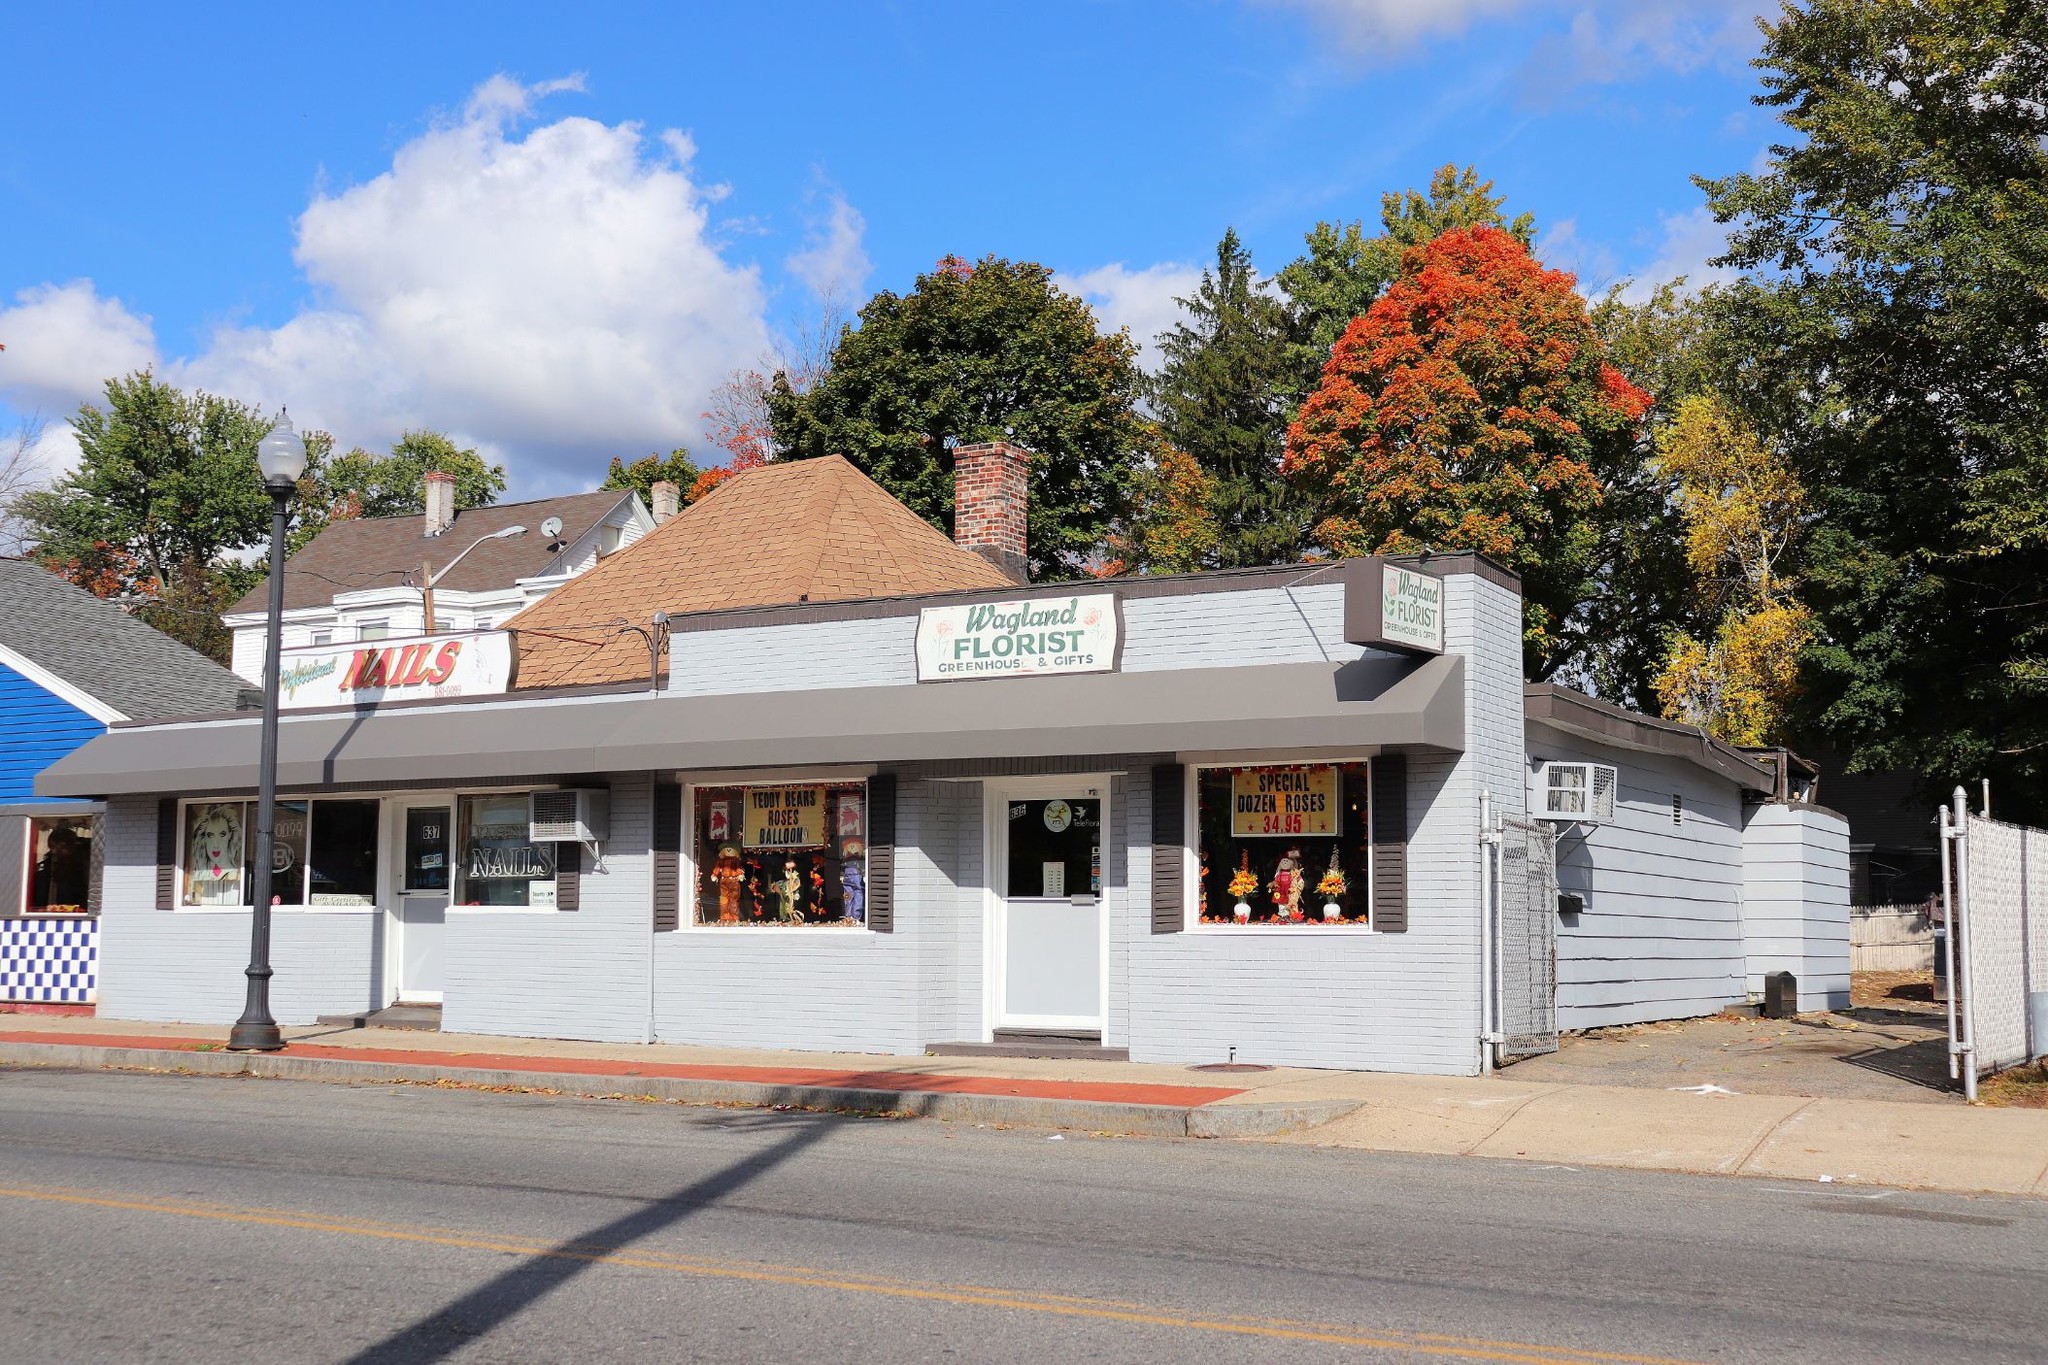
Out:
{"x": 213, "y": 854}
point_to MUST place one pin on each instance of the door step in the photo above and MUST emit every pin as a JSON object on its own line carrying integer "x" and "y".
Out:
{"x": 1016, "y": 1042}
{"x": 423, "y": 1017}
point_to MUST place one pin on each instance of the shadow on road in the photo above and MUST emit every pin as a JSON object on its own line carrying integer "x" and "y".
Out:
{"x": 476, "y": 1314}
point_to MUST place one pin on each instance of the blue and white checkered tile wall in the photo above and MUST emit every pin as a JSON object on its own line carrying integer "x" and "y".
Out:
{"x": 53, "y": 961}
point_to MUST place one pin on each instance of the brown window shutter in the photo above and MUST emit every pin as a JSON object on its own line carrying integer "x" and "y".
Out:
{"x": 1169, "y": 851}
{"x": 99, "y": 865}
{"x": 568, "y": 876}
{"x": 167, "y": 854}
{"x": 1390, "y": 843}
{"x": 668, "y": 856}
{"x": 882, "y": 853}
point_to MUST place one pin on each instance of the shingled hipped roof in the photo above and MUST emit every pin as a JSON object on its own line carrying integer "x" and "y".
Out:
{"x": 103, "y": 651}
{"x": 378, "y": 552}
{"x": 807, "y": 530}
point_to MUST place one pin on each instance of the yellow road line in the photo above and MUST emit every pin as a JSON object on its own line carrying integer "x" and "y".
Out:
{"x": 982, "y": 1296}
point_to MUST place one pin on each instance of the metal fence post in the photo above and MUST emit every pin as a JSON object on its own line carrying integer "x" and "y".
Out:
{"x": 1960, "y": 932}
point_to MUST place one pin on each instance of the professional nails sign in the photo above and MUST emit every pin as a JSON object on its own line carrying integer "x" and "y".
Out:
{"x": 472, "y": 665}
{"x": 1028, "y": 637}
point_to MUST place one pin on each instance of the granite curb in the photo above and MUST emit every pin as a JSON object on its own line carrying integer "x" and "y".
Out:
{"x": 1025, "y": 1111}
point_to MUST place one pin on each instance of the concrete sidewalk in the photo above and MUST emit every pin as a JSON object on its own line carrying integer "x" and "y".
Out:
{"x": 1702, "y": 1129}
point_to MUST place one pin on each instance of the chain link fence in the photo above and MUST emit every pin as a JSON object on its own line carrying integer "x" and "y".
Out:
{"x": 1527, "y": 942}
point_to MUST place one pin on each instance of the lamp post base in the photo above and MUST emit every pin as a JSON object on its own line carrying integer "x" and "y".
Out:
{"x": 255, "y": 1038}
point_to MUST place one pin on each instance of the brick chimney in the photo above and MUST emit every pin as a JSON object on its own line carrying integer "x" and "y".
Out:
{"x": 990, "y": 499}
{"x": 667, "y": 500}
{"x": 440, "y": 502}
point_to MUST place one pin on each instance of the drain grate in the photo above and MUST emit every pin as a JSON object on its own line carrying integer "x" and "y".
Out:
{"x": 1231, "y": 1066}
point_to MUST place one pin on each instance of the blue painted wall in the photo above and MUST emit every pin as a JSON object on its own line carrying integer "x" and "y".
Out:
{"x": 36, "y": 729}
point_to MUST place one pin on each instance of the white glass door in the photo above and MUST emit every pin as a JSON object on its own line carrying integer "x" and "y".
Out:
{"x": 1049, "y": 841}
{"x": 426, "y": 846}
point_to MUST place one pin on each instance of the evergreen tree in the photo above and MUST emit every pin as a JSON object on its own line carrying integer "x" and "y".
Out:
{"x": 1220, "y": 398}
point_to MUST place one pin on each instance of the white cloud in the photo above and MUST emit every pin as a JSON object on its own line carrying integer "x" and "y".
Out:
{"x": 63, "y": 343}
{"x": 1142, "y": 300}
{"x": 1388, "y": 26}
{"x": 1691, "y": 239}
{"x": 833, "y": 261}
{"x": 557, "y": 297}
{"x": 1603, "y": 40}
{"x": 1560, "y": 247}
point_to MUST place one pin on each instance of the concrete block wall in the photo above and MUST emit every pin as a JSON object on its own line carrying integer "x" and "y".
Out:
{"x": 1795, "y": 888}
{"x": 567, "y": 974}
{"x": 186, "y": 966}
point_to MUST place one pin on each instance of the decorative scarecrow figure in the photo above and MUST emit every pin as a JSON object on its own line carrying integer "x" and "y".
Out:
{"x": 787, "y": 889}
{"x": 728, "y": 874}
{"x": 1286, "y": 886}
{"x": 853, "y": 882}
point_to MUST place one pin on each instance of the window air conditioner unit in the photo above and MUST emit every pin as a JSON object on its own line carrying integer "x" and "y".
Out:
{"x": 577, "y": 816}
{"x": 1576, "y": 792}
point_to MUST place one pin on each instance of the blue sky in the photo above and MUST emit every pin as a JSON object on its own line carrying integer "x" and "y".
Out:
{"x": 553, "y": 230}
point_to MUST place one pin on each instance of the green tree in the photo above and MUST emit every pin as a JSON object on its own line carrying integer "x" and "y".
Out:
{"x": 676, "y": 467}
{"x": 1900, "y": 236}
{"x": 395, "y": 485}
{"x": 1173, "y": 521}
{"x": 165, "y": 494}
{"x": 1473, "y": 408}
{"x": 982, "y": 352}
{"x": 1344, "y": 269}
{"x": 1220, "y": 398}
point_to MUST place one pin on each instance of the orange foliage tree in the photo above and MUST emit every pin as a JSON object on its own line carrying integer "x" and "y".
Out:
{"x": 1472, "y": 408}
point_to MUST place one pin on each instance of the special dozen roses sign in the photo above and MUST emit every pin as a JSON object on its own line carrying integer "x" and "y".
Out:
{"x": 1025, "y": 638}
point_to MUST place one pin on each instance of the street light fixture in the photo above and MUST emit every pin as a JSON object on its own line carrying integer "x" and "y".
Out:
{"x": 282, "y": 459}
{"x": 429, "y": 577}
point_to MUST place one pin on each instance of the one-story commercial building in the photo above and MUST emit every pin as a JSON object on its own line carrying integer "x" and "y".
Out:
{"x": 1304, "y": 815}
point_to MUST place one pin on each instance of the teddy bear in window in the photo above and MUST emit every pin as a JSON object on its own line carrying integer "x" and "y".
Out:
{"x": 727, "y": 874}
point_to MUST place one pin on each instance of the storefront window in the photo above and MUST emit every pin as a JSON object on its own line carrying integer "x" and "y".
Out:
{"x": 322, "y": 853}
{"x": 500, "y": 865}
{"x": 1285, "y": 845}
{"x": 793, "y": 854}
{"x": 60, "y": 865}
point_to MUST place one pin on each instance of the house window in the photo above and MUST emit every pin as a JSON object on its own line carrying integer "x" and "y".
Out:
{"x": 790, "y": 854}
{"x": 500, "y": 864}
{"x": 1285, "y": 844}
{"x": 322, "y": 853}
{"x": 379, "y": 629}
{"x": 59, "y": 865}
{"x": 323, "y": 637}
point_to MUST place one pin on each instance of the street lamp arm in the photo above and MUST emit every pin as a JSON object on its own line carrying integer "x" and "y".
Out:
{"x": 505, "y": 534}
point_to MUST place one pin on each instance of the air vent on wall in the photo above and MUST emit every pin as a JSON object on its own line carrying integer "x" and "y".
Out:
{"x": 1575, "y": 792}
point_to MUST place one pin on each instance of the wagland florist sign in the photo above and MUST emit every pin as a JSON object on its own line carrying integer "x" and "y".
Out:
{"x": 472, "y": 665}
{"x": 1027, "y": 638}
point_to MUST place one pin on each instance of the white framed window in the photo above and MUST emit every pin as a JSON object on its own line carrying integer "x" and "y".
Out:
{"x": 378, "y": 628}
{"x": 497, "y": 862}
{"x": 1281, "y": 845}
{"x": 59, "y": 878}
{"x": 791, "y": 854}
{"x": 324, "y": 853}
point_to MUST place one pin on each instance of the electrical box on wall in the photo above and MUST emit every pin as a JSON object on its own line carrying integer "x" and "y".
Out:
{"x": 1575, "y": 792}
{"x": 580, "y": 815}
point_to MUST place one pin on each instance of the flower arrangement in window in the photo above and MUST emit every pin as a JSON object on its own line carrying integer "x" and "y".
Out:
{"x": 1332, "y": 889}
{"x": 1243, "y": 884}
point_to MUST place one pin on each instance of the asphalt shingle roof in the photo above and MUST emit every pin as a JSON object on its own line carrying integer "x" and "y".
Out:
{"x": 377, "y": 552}
{"x": 806, "y": 530}
{"x": 103, "y": 651}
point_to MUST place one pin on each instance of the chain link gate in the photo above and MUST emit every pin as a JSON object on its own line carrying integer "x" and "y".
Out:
{"x": 1525, "y": 937}
{"x": 1995, "y": 882}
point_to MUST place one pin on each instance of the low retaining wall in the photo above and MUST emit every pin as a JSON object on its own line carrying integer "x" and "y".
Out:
{"x": 1890, "y": 938}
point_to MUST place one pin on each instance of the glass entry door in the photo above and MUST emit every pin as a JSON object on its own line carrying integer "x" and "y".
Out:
{"x": 1049, "y": 907}
{"x": 425, "y": 849}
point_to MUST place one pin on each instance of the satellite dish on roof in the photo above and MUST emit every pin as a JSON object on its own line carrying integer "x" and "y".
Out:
{"x": 552, "y": 528}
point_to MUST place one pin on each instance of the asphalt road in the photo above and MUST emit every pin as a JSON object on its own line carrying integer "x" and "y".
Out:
{"x": 154, "y": 1217}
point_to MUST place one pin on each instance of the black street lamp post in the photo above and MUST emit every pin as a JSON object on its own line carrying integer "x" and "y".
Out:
{"x": 282, "y": 458}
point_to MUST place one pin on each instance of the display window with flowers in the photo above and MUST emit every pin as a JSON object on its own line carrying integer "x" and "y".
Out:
{"x": 1285, "y": 845}
{"x": 788, "y": 854}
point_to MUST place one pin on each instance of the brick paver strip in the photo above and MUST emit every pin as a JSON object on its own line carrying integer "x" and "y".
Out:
{"x": 1106, "y": 1092}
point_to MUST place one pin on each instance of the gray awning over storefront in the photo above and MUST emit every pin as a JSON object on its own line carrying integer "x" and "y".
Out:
{"x": 1375, "y": 701}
